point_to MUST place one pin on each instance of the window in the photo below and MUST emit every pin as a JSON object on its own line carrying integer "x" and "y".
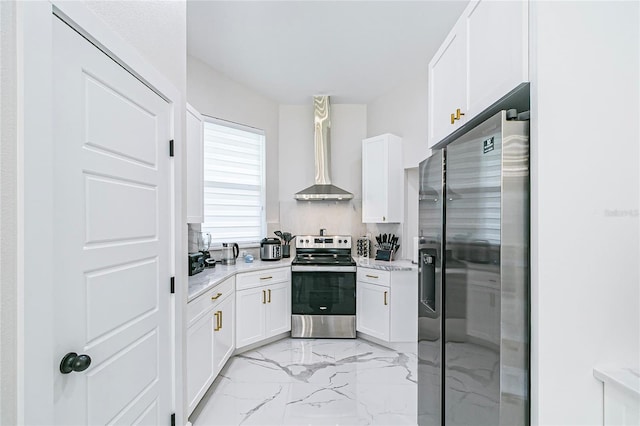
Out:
{"x": 234, "y": 170}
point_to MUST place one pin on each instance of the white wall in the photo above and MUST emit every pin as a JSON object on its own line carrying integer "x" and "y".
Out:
{"x": 296, "y": 171}
{"x": 585, "y": 195}
{"x": 8, "y": 215}
{"x": 157, "y": 29}
{"x": 216, "y": 95}
{"x": 403, "y": 112}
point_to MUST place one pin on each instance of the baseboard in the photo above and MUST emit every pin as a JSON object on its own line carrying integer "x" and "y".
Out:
{"x": 407, "y": 347}
{"x": 255, "y": 345}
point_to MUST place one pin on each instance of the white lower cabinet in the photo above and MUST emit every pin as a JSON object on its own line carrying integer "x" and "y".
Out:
{"x": 372, "y": 311}
{"x": 223, "y": 333}
{"x": 210, "y": 338}
{"x": 386, "y": 304}
{"x": 263, "y": 305}
{"x": 199, "y": 359}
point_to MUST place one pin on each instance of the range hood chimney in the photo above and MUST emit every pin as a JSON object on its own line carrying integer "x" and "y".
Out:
{"x": 323, "y": 189}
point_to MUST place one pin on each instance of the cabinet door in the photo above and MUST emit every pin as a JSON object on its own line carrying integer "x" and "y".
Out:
{"x": 372, "y": 310}
{"x": 250, "y": 311}
{"x": 223, "y": 336}
{"x": 278, "y": 308}
{"x": 497, "y": 50}
{"x": 448, "y": 85}
{"x": 195, "y": 165}
{"x": 375, "y": 173}
{"x": 200, "y": 371}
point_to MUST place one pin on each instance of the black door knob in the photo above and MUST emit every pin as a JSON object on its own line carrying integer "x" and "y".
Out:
{"x": 74, "y": 362}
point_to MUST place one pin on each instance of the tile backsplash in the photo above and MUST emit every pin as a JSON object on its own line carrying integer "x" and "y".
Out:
{"x": 337, "y": 217}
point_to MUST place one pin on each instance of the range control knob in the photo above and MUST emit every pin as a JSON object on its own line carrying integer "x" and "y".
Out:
{"x": 307, "y": 240}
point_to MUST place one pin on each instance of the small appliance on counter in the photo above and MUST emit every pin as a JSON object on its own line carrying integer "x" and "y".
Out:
{"x": 195, "y": 263}
{"x": 270, "y": 249}
{"x": 204, "y": 244}
{"x": 230, "y": 252}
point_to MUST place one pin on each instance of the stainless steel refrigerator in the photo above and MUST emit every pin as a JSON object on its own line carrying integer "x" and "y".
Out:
{"x": 473, "y": 324}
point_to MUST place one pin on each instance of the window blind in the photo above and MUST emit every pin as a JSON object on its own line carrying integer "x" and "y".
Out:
{"x": 234, "y": 170}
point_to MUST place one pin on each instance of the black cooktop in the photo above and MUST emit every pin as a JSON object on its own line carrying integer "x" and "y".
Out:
{"x": 323, "y": 259}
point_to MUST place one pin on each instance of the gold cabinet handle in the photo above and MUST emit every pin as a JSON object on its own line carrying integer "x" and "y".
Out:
{"x": 385, "y": 298}
{"x": 269, "y": 301}
{"x": 217, "y": 326}
{"x": 220, "y": 318}
{"x": 453, "y": 118}
{"x": 373, "y": 276}
{"x": 264, "y": 297}
{"x": 458, "y": 114}
{"x": 266, "y": 278}
{"x": 217, "y": 296}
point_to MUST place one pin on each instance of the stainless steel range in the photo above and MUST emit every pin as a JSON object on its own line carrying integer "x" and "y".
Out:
{"x": 323, "y": 287}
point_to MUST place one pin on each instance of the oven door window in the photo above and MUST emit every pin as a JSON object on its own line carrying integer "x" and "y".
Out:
{"x": 323, "y": 293}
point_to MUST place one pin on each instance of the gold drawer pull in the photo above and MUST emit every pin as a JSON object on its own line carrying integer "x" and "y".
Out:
{"x": 458, "y": 114}
{"x": 373, "y": 276}
{"x": 269, "y": 301}
{"x": 453, "y": 118}
{"x": 266, "y": 278}
{"x": 220, "y": 317}
{"x": 385, "y": 298}
{"x": 217, "y": 296}
{"x": 264, "y": 297}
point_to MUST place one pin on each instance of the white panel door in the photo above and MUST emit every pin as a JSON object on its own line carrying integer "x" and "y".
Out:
{"x": 250, "y": 308}
{"x": 278, "y": 308}
{"x": 112, "y": 231}
{"x": 372, "y": 310}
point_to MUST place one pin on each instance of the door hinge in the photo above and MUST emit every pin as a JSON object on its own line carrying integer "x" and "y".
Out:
{"x": 173, "y": 419}
{"x": 173, "y": 285}
{"x": 171, "y": 148}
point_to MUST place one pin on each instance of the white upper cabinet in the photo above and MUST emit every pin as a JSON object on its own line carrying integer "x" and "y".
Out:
{"x": 195, "y": 165}
{"x": 382, "y": 179}
{"x": 497, "y": 50}
{"x": 483, "y": 58}
{"x": 448, "y": 85}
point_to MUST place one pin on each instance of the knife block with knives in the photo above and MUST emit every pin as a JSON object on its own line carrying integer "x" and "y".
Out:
{"x": 387, "y": 245}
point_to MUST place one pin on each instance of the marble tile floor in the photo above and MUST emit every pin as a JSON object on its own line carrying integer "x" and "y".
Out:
{"x": 313, "y": 382}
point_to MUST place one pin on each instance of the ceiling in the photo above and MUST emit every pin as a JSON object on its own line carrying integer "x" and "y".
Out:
{"x": 288, "y": 51}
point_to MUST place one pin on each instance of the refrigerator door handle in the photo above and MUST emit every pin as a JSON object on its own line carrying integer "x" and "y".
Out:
{"x": 427, "y": 277}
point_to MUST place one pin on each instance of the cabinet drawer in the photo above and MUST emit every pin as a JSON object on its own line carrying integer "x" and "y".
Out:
{"x": 259, "y": 278}
{"x": 200, "y": 305}
{"x": 374, "y": 276}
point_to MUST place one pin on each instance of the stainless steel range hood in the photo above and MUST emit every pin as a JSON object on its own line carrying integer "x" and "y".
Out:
{"x": 323, "y": 189}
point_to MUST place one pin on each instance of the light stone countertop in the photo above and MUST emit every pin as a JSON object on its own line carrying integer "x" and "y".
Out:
{"x": 394, "y": 265}
{"x": 211, "y": 277}
{"x": 626, "y": 378}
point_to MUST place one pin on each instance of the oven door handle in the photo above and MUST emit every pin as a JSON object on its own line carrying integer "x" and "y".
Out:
{"x": 319, "y": 268}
